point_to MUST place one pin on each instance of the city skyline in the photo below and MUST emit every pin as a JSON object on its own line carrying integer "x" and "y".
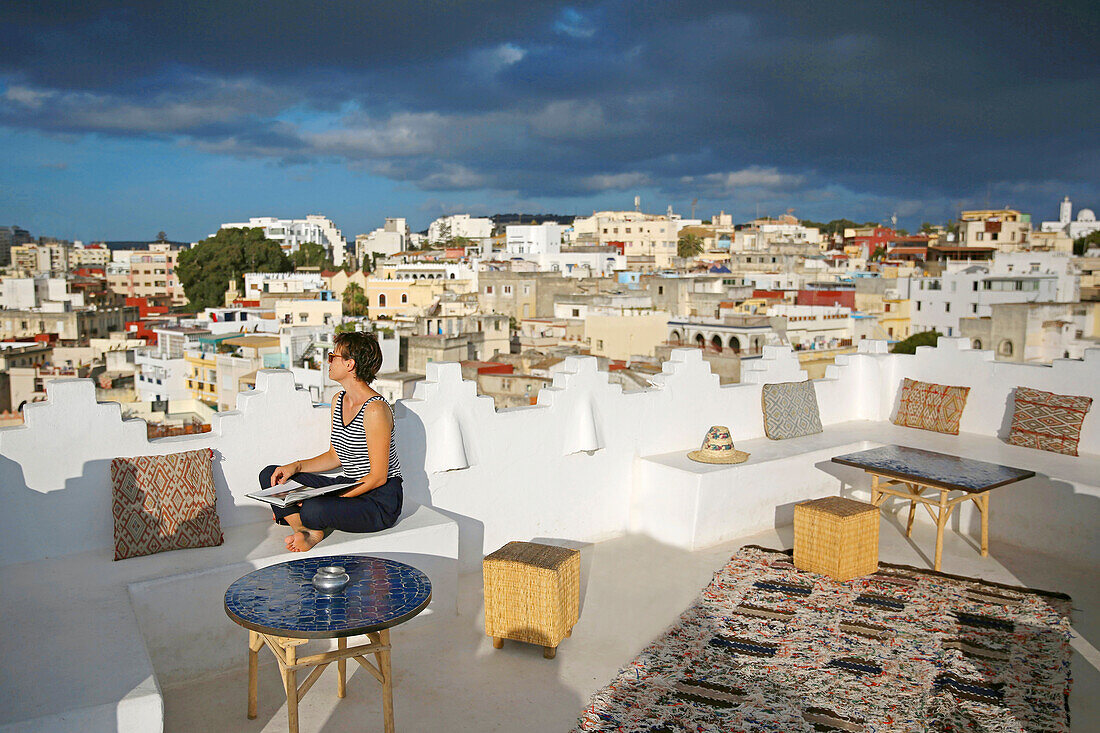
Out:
{"x": 118, "y": 123}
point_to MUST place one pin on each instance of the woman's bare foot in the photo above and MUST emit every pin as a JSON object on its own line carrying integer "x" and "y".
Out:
{"x": 304, "y": 540}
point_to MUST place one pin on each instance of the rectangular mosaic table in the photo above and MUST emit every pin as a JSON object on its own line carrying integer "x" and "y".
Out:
{"x": 897, "y": 470}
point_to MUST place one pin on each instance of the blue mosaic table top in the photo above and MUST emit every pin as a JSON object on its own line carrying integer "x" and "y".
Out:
{"x": 281, "y": 599}
{"x": 934, "y": 469}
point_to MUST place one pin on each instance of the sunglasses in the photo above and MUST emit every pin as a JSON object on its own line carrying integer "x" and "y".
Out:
{"x": 333, "y": 355}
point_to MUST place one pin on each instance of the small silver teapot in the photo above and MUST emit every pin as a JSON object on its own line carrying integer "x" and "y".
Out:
{"x": 330, "y": 579}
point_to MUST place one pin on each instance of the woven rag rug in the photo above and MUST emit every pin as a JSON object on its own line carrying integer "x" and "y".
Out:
{"x": 768, "y": 647}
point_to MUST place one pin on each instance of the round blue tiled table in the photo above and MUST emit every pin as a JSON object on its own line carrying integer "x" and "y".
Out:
{"x": 282, "y": 610}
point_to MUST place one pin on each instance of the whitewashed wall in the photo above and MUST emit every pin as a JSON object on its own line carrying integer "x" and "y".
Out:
{"x": 560, "y": 469}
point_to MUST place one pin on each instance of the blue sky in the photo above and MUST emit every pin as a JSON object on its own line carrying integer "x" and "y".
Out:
{"x": 119, "y": 120}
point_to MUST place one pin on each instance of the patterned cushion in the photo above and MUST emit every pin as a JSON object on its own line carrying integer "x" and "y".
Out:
{"x": 931, "y": 406}
{"x": 790, "y": 410}
{"x": 164, "y": 503}
{"x": 1048, "y": 421}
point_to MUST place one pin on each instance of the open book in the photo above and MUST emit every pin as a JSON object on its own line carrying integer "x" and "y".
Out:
{"x": 291, "y": 492}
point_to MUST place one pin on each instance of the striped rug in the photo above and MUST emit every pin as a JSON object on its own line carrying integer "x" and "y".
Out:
{"x": 767, "y": 647}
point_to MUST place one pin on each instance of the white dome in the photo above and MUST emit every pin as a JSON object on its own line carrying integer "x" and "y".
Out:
{"x": 1086, "y": 215}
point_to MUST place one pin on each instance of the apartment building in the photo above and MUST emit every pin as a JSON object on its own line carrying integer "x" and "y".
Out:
{"x": 293, "y": 233}
{"x": 51, "y": 258}
{"x": 969, "y": 290}
{"x": 1001, "y": 228}
{"x": 147, "y": 273}
{"x": 532, "y": 294}
{"x": 639, "y": 235}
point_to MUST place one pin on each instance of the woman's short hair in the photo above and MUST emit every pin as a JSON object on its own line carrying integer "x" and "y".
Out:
{"x": 363, "y": 348}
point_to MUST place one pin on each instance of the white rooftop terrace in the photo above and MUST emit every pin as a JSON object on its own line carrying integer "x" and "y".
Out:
{"x": 142, "y": 643}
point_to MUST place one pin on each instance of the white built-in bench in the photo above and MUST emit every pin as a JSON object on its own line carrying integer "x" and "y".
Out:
{"x": 695, "y": 505}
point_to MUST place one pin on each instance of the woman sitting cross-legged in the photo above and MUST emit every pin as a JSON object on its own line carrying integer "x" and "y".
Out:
{"x": 361, "y": 442}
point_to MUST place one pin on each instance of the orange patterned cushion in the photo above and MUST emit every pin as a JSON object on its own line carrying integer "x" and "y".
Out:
{"x": 1048, "y": 421}
{"x": 931, "y": 406}
{"x": 164, "y": 503}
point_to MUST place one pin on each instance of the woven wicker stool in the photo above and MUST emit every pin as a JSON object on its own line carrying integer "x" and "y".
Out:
{"x": 837, "y": 537}
{"x": 532, "y": 594}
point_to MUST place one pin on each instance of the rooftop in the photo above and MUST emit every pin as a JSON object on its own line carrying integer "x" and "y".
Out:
{"x": 588, "y": 466}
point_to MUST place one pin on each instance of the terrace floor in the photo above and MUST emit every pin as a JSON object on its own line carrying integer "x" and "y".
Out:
{"x": 449, "y": 678}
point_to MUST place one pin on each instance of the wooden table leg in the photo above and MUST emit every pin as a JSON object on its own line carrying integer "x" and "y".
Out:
{"x": 255, "y": 643}
{"x": 387, "y": 680}
{"x": 876, "y": 499}
{"x": 983, "y": 507}
{"x": 941, "y": 520}
{"x": 342, "y": 670}
{"x": 913, "y": 488}
{"x": 290, "y": 681}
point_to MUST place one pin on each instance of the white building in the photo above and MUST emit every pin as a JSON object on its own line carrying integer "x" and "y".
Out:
{"x": 763, "y": 233}
{"x": 262, "y": 283}
{"x": 292, "y": 233}
{"x": 573, "y": 263}
{"x": 970, "y": 291}
{"x": 162, "y": 368}
{"x": 1084, "y": 225}
{"x": 446, "y": 228}
{"x": 534, "y": 239}
{"x": 389, "y": 239}
{"x": 24, "y": 293}
{"x": 813, "y": 326}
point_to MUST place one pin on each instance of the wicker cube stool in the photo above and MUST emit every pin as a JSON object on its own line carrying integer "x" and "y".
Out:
{"x": 837, "y": 537}
{"x": 532, "y": 594}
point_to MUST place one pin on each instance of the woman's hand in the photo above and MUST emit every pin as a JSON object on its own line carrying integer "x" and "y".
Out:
{"x": 282, "y": 473}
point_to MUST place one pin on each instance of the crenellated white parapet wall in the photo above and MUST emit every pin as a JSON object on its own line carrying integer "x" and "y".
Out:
{"x": 563, "y": 468}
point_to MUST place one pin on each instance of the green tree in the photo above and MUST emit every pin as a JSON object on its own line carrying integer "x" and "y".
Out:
{"x": 205, "y": 269}
{"x": 310, "y": 254}
{"x": 909, "y": 345}
{"x": 162, "y": 237}
{"x": 355, "y": 300}
{"x": 926, "y": 227}
{"x": 689, "y": 245}
{"x": 1083, "y": 244}
{"x": 879, "y": 254}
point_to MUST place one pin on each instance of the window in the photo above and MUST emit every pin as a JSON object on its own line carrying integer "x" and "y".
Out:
{"x": 918, "y": 305}
{"x": 627, "y": 230}
{"x": 946, "y": 307}
{"x": 599, "y": 343}
{"x": 404, "y": 297}
{"x": 526, "y": 289}
{"x": 974, "y": 285}
{"x": 507, "y": 289}
{"x": 381, "y": 300}
{"x": 488, "y": 289}
{"x": 660, "y": 290}
{"x": 887, "y": 307}
{"x": 303, "y": 316}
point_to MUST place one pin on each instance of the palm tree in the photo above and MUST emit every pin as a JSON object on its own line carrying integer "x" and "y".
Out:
{"x": 689, "y": 245}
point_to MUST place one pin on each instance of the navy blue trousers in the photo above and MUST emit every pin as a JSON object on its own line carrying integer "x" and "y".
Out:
{"x": 370, "y": 512}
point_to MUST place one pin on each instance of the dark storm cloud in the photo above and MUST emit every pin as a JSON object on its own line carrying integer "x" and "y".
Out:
{"x": 900, "y": 103}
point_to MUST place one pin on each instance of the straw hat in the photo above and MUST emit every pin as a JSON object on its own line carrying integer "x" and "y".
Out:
{"x": 718, "y": 448}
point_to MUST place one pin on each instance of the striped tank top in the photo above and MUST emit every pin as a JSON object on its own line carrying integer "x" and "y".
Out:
{"x": 350, "y": 441}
